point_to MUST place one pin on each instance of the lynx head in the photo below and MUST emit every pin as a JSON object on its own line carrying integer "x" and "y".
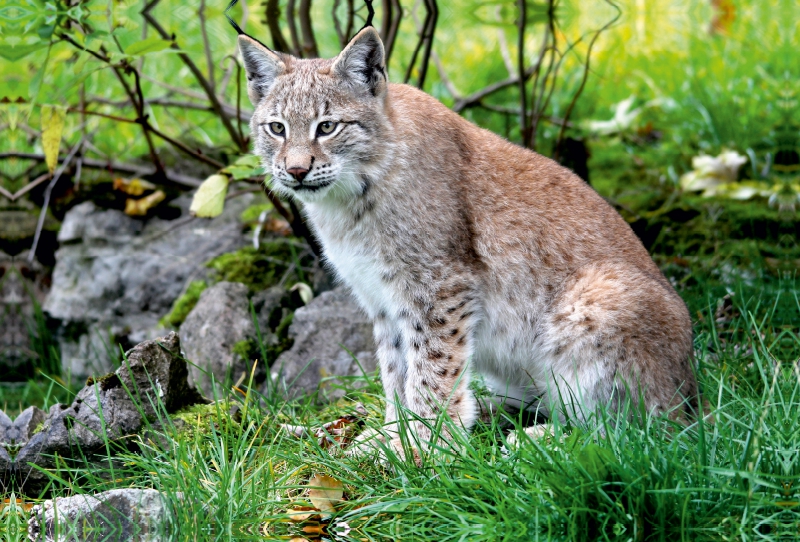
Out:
{"x": 316, "y": 121}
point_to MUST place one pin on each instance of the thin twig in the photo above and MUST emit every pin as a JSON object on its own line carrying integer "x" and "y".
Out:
{"x": 201, "y": 12}
{"x": 423, "y": 41}
{"x": 273, "y": 16}
{"x": 448, "y": 84}
{"x": 238, "y": 94}
{"x": 389, "y": 39}
{"x": 183, "y": 147}
{"x": 433, "y": 10}
{"x": 571, "y": 106}
{"x": 46, "y": 203}
{"x": 129, "y": 169}
{"x": 522, "y": 21}
{"x": 212, "y": 97}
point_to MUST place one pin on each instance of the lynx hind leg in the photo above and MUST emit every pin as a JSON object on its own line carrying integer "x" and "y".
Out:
{"x": 615, "y": 330}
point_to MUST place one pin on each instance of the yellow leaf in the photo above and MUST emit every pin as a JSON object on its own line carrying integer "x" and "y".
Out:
{"x": 325, "y": 493}
{"x": 52, "y": 127}
{"x": 209, "y": 200}
{"x": 133, "y": 187}
{"x": 139, "y": 207}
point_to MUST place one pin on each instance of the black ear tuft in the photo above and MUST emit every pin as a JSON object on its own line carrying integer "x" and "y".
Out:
{"x": 237, "y": 27}
{"x": 261, "y": 65}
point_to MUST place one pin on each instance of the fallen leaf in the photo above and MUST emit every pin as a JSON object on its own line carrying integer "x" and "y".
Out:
{"x": 133, "y": 187}
{"x": 52, "y": 127}
{"x": 301, "y": 513}
{"x": 139, "y": 207}
{"x": 325, "y": 492}
{"x": 298, "y": 431}
{"x": 339, "y": 432}
{"x": 279, "y": 226}
{"x": 15, "y": 503}
{"x": 209, "y": 200}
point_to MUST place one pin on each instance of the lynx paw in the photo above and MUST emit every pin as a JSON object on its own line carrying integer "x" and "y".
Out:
{"x": 373, "y": 441}
{"x": 515, "y": 439}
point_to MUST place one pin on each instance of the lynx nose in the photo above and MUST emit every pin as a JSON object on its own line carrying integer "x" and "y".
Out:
{"x": 298, "y": 173}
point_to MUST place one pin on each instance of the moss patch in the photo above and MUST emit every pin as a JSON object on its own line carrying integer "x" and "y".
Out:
{"x": 197, "y": 421}
{"x": 260, "y": 268}
{"x": 183, "y": 305}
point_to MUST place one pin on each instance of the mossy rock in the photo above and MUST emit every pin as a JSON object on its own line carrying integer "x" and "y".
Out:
{"x": 260, "y": 268}
{"x": 183, "y": 305}
{"x": 198, "y": 421}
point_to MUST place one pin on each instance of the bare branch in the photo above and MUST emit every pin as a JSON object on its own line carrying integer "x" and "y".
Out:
{"x": 46, "y": 204}
{"x": 128, "y": 169}
{"x": 290, "y": 21}
{"x": 243, "y": 115}
{"x": 273, "y": 16}
{"x": 448, "y": 84}
{"x": 390, "y": 37}
{"x": 238, "y": 94}
{"x": 476, "y": 97}
{"x": 307, "y": 30}
{"x": 212, "y": 97}
{"x": 337, "y": 25}
{"x": 522, "y": 21}
{"x": 571, "y": 106}
{"x": 201, "y": 12}
{"x": 426, "y": 41}
{"x": 351, "y": 16}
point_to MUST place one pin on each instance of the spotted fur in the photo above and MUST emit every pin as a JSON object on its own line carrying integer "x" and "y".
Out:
{"x": 468, "y": 252}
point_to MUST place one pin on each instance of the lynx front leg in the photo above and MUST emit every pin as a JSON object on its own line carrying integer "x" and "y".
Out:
{"x": 392, "y": 363}
{"x": 440, "y": 343}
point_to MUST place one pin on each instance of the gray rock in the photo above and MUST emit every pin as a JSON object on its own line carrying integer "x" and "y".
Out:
{"x": 85, "y": 222}
{"x": 323, "y": 332}
{"x": 154, "y": 373}
{"x": 219, "y": 321}
{"x": 6, "y": 423}
{"x": 119, "y": 515}
{"x": 20, "y": 430}
{"x": 115, "y": 276}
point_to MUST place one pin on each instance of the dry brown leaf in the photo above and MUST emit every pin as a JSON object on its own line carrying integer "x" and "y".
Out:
{"x": 299, "y": 539}
{"x": 325, "y": 492}
{"x": 133, "y": 187}
{"x": 279, "y": 226}
{"x": 139, "y": 207}
{"x": 339, "y": 432}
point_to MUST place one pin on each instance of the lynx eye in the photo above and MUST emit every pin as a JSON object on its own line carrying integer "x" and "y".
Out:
{"x": 277, "y": 128}
{"x": 326, "y": 127}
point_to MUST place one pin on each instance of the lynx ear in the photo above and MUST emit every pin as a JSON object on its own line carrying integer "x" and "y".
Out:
{"x": 261, "y": 65}
{"x": 362, "y": 62}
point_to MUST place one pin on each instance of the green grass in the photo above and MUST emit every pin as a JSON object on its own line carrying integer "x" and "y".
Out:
{"x": 618, "y": 477}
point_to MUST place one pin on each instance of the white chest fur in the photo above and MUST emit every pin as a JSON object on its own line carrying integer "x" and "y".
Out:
{"x": 355, "y": 259}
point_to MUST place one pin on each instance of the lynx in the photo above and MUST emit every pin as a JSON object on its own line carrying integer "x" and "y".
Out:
{"x": 469, "y": 253}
